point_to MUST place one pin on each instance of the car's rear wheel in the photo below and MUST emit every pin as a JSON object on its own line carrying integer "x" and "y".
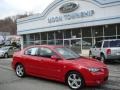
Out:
{"x": 20, "y": 71}
{"x": 75, "y": 81}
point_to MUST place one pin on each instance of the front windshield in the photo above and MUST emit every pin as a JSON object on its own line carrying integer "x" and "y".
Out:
{"x": 4, "y": 48}
{"x": 67, "y": 53}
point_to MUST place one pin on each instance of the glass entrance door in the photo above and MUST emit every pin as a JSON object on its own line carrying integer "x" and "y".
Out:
{"x": 74, "y": 44}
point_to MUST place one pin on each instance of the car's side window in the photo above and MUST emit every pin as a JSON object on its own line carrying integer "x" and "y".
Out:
{"x": 98, "y": 44}
{"x": 115, "y": 43}
{"x": 31, "y": 51}
{"x": 106, "y": 44}
{"x": 46, "y": 52}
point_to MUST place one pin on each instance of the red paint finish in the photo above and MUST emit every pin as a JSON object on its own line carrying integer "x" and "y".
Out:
{"x": 56, "y": 69}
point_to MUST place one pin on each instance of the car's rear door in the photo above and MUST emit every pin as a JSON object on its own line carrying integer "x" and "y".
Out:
{"x": 32, "y": 61}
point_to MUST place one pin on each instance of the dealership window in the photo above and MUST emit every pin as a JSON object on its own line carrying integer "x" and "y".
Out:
{"x": 86, "y": 43}
{"x": 76, "y": 33}
{"x": 32, "y": 37}
{"x": 44, "y": 36}
{"x": 118, "y": 29}
{"x": 112, "y": 37}
{"x": 37, "y": 36}
{"x": 24, "y": 38}
{"x": 51, "y": 42}
{"x": 67, "y": 34}
{"x": 50, "y": 35}
{"x": 31, "y": 43}
{"x": 43, "y": 42}
{"x": 118, "y": 37}
{"x": 59, "y": 42}
{"x": 99, "y": 39}
{"x": 59, "y": 34}
{"x": 66, "y": 42}
{"x": 97, "y": 31}
{"x": 86, "y": 32}
{"x": 110, "y": 30}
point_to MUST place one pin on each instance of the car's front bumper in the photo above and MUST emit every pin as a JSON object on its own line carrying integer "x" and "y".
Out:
{"x": 95, "y": 79}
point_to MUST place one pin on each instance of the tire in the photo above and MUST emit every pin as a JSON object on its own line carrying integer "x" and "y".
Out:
{"x": 20, "y": 71}
{"x": 102, "y": 58}
{"x": 5, "y": 55}
{"x": 74, "y": 80}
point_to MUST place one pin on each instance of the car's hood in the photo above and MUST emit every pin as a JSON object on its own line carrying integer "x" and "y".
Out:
{"x": 88, "y": 62}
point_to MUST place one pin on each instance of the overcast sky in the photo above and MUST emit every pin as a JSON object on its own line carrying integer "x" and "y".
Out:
{"x": 13, "y": 7}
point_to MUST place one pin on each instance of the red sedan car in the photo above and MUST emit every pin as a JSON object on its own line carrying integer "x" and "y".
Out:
{"x": 61, "y": 64}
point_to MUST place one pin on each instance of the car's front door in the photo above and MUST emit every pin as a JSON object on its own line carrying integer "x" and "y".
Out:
{"x": 50, "y": 68}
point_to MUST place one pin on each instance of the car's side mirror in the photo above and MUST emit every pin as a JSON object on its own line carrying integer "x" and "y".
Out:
{"x": 54, "y": 57}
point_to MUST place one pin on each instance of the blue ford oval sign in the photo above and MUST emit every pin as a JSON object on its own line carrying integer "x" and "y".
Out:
{"x": 68, "y": 7}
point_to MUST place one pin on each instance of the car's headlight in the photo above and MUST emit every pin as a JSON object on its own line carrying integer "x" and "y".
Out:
{"x": 94, "y": 69}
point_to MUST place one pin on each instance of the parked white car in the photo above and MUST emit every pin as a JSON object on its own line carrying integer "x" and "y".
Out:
{"x": 106, "y": 49}
{"x": 7, "y": 51}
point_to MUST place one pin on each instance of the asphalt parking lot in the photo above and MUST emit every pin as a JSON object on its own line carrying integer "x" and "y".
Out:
{"x": 9, "y": 81}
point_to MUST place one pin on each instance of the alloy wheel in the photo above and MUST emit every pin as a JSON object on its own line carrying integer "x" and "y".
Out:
{"x": 75, "y": 81}
{"x": 20, "y": 70}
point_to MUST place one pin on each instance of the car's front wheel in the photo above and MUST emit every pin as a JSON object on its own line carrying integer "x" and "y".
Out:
{"x": 75, "y": 81}
{"x": 20, "y": 71}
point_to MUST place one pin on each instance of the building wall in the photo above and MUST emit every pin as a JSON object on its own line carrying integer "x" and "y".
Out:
{"x": 92, "y": 21}
{"x": 105, "y": 12}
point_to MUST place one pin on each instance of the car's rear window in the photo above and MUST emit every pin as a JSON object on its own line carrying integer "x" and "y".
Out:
{"x": 115, "y": 43}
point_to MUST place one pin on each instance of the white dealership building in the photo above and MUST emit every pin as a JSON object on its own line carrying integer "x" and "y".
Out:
{"x": 74, "y": 23}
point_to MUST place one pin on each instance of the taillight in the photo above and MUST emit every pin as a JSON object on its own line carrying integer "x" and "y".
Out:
{"x": 108, "y": 52}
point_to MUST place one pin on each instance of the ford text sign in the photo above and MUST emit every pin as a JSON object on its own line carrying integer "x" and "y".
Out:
{"x": 68, "y": 7}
